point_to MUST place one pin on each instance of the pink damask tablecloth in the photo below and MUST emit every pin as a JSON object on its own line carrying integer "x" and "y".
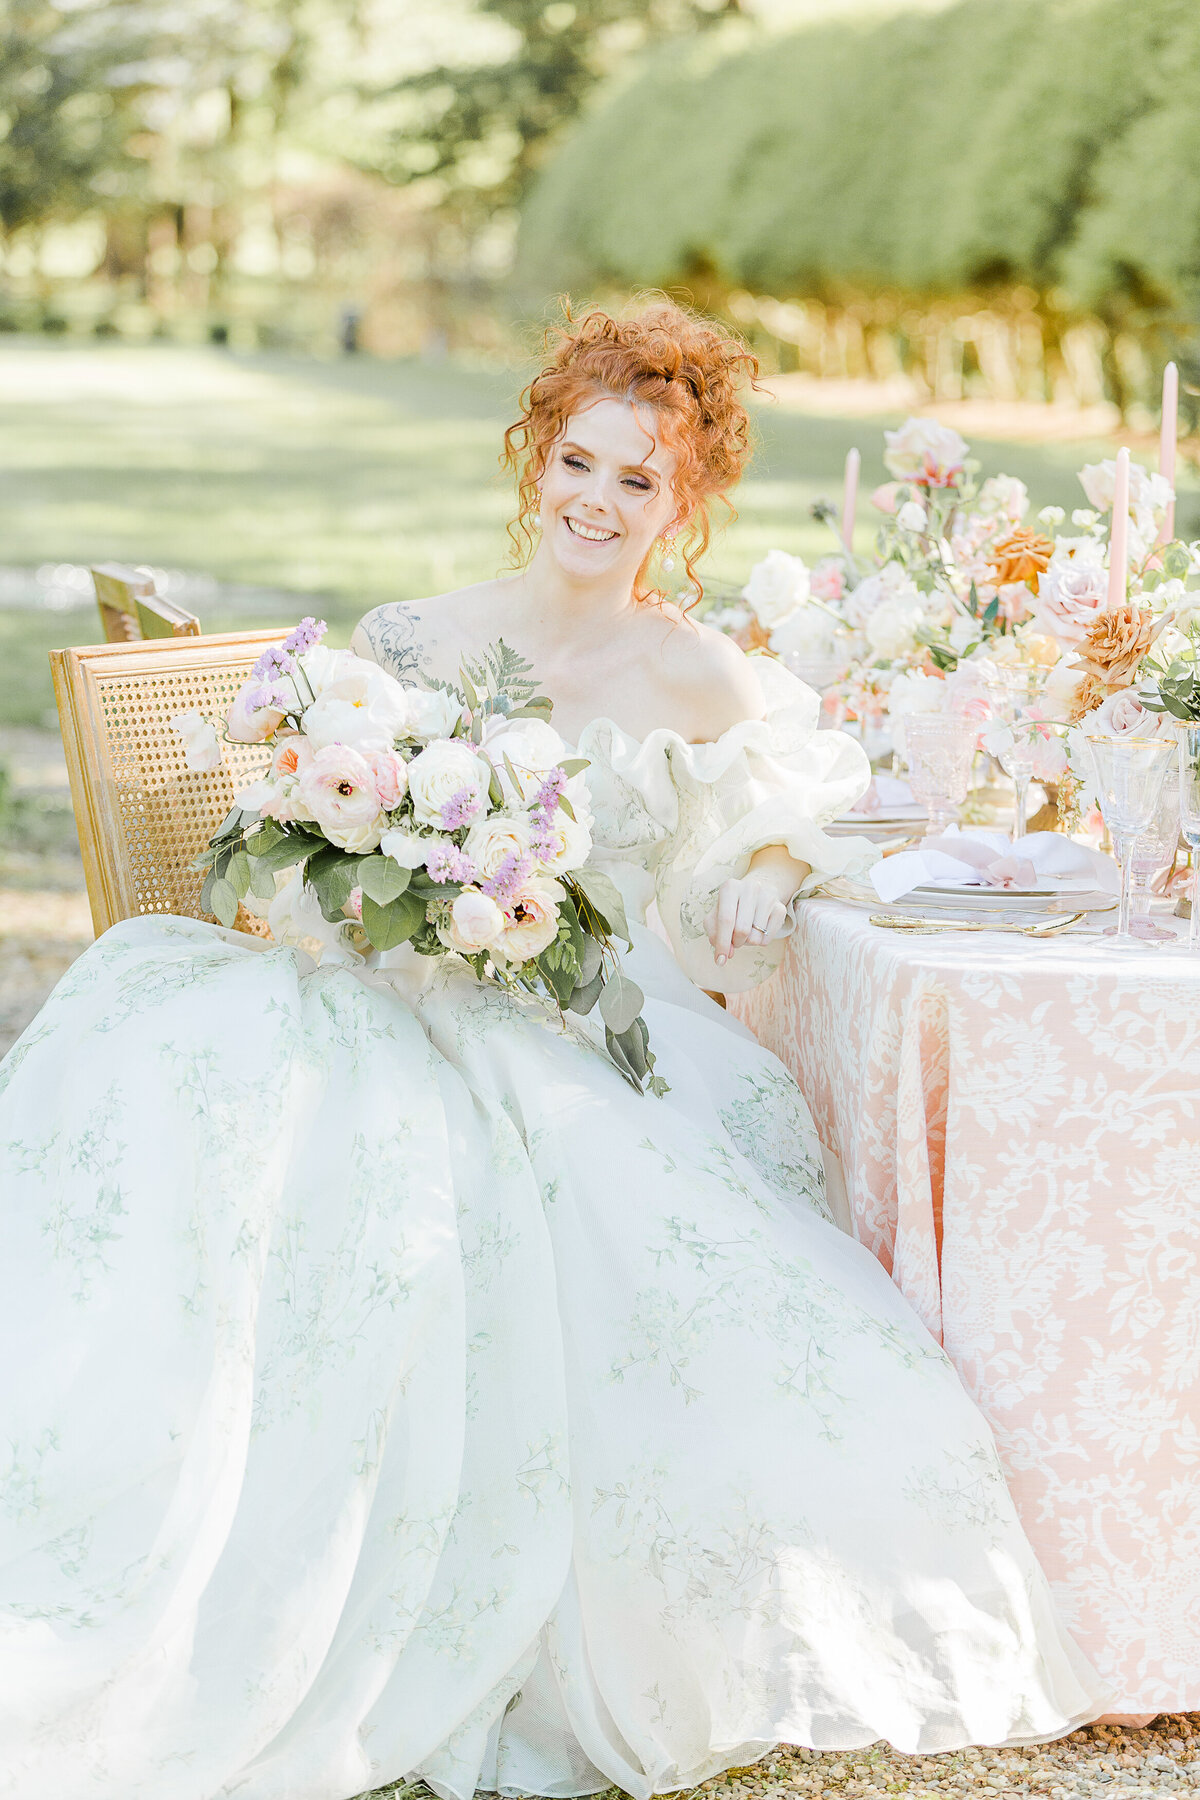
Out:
{"x": 1019, "y": 1127}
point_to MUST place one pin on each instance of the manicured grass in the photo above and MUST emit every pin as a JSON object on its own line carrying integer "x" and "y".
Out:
{"x": 347, "y": 482}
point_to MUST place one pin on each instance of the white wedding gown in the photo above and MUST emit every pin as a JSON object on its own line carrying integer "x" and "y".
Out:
{"x": 391, "y": 1390}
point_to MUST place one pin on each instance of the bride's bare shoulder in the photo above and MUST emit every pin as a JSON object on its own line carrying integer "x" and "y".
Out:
{"x": 418, "y": 639}
{"x": 713, "y": 682}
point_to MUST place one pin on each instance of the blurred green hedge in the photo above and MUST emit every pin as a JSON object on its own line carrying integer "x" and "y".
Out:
{"x": 1050, "y": 143}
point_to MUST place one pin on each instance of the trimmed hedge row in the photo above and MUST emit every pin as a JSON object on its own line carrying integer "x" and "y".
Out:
{"x": 1051, "y": 143}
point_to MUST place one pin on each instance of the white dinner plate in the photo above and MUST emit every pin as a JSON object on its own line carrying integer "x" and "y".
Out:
{"x": 1059, "y": 896}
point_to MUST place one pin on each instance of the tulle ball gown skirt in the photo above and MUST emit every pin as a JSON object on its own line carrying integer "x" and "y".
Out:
{"x": 390, "y": 1390}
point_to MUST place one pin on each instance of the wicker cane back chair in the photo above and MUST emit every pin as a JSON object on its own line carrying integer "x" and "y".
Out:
{"x": 142, "y": 814}
{"x": 130, "y": 609}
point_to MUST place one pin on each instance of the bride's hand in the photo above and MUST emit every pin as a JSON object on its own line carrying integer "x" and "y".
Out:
{"x": 748, "y": 911}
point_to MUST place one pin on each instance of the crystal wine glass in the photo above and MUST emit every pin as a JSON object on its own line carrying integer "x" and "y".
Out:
{"x": 1012, "y": 692}
{"x": 1154, "y": 849}
{"x": 1189, "y": 816}
{"x": 1129, "y": 779}
{"x": 940, "y": 748}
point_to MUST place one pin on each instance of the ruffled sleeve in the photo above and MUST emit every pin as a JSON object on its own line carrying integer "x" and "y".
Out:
{"x": 775, "y": 780}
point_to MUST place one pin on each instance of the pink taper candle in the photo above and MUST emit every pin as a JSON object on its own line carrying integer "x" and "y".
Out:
{"x": 1118, "y": 541}
{"x": 850, "y": 497}
{"x": 1166, "y": 451}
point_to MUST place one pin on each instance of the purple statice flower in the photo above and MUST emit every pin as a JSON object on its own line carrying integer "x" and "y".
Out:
{"x": 510, "y": 874}
{"x": 462, "y": 808}
{"x": 545, "y": 802}
{"x": 544, "y": 845}
{"x": 273, "y": 662}
{"x": 450, "y": 864}
{"x": 308, "y": 632}
{"x": 275, "y": 695}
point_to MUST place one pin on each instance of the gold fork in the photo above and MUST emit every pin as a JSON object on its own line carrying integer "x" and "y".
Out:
{"x": 917, "y": 926}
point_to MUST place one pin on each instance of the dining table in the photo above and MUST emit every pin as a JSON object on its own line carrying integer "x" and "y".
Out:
{"x": 1017, "y": 1124}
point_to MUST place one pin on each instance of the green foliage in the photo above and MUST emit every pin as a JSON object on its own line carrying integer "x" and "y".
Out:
{"x": 1045, "y": 142}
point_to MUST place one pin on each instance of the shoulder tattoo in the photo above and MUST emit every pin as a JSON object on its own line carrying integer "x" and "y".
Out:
{"x": 392, "y": 634}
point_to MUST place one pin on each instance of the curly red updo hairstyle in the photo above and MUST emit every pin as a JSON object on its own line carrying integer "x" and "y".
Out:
{"x": 686, "y": 368}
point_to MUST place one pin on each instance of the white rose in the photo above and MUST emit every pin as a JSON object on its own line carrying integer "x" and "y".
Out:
{"x": 1123, "y": 716}
{"x": 322, "y": 667}
{"x": 531, "y": 919}
{"x": 572, "y": 844}
{"x": 924, "y": 451}
{"x": 431, "y": 713}
{"x": 475, "y": 923}
{"x": 365, "y": 708}
{"x": 777, "y": 586}
{"x": 891, "y": 628}
{"x": 492, "y": 840}
{"x": 912, "y": 516}
{"x": 407, "y": 849}
{"x": 448, "y": 784}
{"x": 1003, "y": 497}
{"x": 338, "y": 789}
{"x": 1070, "y": 597}
{"x": 533, "y": 748}
{"x": 201, "y": 751}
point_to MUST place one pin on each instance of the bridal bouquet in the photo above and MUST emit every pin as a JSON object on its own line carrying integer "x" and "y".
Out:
{"x": 449, "y": 818}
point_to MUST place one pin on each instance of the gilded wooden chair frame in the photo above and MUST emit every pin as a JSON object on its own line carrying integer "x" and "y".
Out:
{"x": 130, "y": 609}
{"x": 142, "y": 814}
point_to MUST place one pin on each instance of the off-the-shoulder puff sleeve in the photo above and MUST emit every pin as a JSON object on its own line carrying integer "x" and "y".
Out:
{"x": 775, "y": 780}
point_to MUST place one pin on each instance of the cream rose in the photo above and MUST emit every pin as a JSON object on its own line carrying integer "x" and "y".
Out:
{"x": 1122, "y": 715}
{"x": 572, "y": 842}
{"x": 531, "y": 919}
{"x": 475, "y": 923}
{"x": 448, "y": 784}
{"x": 430, "y": 713}
{"x": 338, "y": 790}
{"x": 493, "y": 840}
{"x": 924, "y": 451}
{"x": 777, "y": 586}
{"x": 1070, "y": 597}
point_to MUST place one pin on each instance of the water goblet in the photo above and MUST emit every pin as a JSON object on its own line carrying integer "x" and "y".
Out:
{"x": 1154, "y": 849}
{"x": 1011, "y": 692}
{"x": 1189, "y": 816}
{"x": 1129, "y": 780}
{"x": 940, "y": 748}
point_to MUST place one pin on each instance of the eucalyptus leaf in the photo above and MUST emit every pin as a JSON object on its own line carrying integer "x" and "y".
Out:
{"x": 574, "y": 765}
{"x": 262, "y": 879}
{"x": 620, "y": 1002}
{"x": 1175, "y": 561}
{"x": 382, "y": 879}
{"x": 590, "y": 959}
{"x": 584, "y": 997}
{"x": 604, "y": 896}
{"x": 393, "y": 924}
{"x": 223, "y": 901}
{"x": 239, "y": 872}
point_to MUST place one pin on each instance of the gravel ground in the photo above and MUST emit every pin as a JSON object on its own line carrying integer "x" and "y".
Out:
{"x": 1104, "y": 1760}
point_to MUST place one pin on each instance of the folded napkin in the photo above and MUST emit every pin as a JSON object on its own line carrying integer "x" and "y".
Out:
{"x": 989, "y": 859}
{"x": 885, "y": 792}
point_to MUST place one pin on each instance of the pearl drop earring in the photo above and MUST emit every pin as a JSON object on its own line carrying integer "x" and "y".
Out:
{"x": 668, "y": 560}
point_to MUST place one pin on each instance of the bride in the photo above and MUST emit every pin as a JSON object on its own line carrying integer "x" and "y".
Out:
{"x": 392, "y": 1391}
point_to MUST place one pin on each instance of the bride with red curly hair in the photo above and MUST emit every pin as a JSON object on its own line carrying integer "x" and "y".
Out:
{"x": 404, "y": 1396}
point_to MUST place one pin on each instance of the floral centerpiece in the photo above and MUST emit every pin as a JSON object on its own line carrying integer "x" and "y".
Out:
{"x": 450, "y": 819}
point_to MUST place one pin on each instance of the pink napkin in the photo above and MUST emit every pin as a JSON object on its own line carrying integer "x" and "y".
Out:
{"x": 988, "y": 859}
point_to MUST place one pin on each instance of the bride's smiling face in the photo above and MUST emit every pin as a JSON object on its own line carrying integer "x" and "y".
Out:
{"x": 606, "y": 492}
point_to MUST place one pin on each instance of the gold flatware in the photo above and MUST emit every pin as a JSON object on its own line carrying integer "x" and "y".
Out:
{"x": 917, "y": 926}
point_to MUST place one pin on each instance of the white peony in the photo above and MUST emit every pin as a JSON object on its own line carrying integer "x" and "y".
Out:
{"x": 531, "y": 919}
{"x": 891, "y": 629}
{"x": 808, "y": 632}
{"x": 201, "y": 751}
{"x": 475, "y": 923}
{"x": 338, "y": 790}
{"x": 1003, "y": 497}
{"x": 431, "y": 713}
{"x": 912, "y": 691}
{"x": 893, "y": 582}
{"x": 924, "y": 451}
{"x": 492, "y": 840}
{"x": 322, "y": 667}
{"x": 448, "y": 774}
{"x": 408, "y": 849}
{"x": 777, "y": 586}
{"x": 364, "y": 707}
{"x": 533, "y": 748}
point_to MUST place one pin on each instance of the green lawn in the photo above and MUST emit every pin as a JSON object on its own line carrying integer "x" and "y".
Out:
{"x": 345, "y": 482}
